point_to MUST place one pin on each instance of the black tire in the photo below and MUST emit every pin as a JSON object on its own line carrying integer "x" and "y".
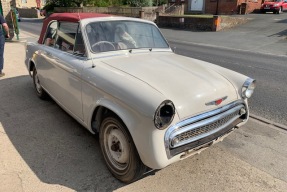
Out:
{"x": 119, "y": 151}
{"x": 39, "y": 90}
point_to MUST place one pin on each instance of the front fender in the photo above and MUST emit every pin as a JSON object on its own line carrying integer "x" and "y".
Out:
{"x": 147, "y": 139}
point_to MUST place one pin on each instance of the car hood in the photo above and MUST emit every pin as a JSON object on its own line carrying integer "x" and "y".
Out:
{"x": 185, "y": 81}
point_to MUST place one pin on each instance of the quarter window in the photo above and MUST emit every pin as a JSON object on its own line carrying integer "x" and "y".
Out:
{"x": 51, "y": 34}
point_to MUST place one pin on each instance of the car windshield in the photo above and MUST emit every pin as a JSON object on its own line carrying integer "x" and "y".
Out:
{"x": 120, "y": 35}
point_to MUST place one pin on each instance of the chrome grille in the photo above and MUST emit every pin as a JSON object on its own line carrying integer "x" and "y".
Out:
{"x": 206, "y": 128}
{"x": 203, "y": 128}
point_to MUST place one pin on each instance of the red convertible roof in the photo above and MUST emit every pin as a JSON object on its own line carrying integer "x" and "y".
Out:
{"x": 71, "y": 17}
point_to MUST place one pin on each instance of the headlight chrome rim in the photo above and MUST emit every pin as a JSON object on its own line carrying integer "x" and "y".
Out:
{"x": 160, "y": 120}
{"x": 248, "y": 88}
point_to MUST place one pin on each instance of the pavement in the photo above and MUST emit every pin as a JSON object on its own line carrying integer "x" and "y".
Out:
{"x": 44, "y": 149}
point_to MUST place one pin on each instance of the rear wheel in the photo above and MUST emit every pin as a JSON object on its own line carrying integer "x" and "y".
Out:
{"x": 119, "y": 151}
{"x": 39, "y": 90}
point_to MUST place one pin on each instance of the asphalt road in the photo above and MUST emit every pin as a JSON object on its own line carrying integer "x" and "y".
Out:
{"x": 257, "y": 49}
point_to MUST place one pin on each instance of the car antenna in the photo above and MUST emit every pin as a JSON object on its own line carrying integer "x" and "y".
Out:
{"x": 79, "y": 16}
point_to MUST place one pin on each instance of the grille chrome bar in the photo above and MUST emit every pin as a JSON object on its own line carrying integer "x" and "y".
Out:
{"x": 213, "y": 120}
{"x": 203, "y": 127}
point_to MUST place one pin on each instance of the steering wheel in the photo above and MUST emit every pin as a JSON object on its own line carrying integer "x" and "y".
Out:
{"x": 102, "y": 46}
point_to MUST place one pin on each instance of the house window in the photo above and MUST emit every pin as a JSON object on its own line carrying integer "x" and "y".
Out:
{"x": 24, "y": 1}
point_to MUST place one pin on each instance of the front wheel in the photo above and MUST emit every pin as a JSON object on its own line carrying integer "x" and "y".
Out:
{"x": 119, "y": 151}
{"x": 39, "y": 90}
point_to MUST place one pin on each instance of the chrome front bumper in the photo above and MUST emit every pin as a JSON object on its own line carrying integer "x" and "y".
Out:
{"x": 204, "y": 128}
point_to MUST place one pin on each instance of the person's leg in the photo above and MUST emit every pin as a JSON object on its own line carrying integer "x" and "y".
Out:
{"x": 2, "y": 43}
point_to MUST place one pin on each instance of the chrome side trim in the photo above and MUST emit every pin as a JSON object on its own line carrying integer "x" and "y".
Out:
{"x": 180, "y": 126}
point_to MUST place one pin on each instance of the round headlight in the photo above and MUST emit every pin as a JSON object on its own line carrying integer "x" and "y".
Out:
{"x": 164, "y": 114}
{"x": 248, "y": 88}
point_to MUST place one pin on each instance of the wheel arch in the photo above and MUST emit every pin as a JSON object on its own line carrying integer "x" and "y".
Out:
{"x": 104, "y": 110}
{"x": 128, "y": 117}
{"x": 31, "y": 66}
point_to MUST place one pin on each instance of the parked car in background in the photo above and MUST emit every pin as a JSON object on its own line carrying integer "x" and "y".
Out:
{"x": 119, "y": 78}
{"x": 275, "y": 6}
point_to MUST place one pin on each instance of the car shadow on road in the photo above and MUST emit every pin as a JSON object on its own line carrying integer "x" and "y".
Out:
{"x": 282, "y": 33}
{"x": 55, "y": 147}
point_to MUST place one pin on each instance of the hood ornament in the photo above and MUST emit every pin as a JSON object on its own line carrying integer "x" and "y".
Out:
{"x": 217, "y": 101}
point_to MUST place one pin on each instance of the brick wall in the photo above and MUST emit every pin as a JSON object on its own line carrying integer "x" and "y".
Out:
{"x": 213, "y": 23}
{"x": 176, "y": 1}
{"x": 149, "y": 12}
{"x": 228, "y": 7}
{"x": 28, "y": 13}
{"x": 225, "y": 7}
{"x": 185, "y": 22}
{"x": 28, "y": 4}
{"x": 229, "y": 22}
{"x": 252, "y": 5}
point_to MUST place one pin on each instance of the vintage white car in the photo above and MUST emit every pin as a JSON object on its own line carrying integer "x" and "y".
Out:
{"x": 119, "y": 78}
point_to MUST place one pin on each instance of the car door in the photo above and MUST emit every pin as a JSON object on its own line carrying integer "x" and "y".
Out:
{"x": 64, "y": 64}
{"x": 284, "y": 5}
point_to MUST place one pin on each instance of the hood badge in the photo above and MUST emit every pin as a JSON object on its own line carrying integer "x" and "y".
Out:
{"x": 217, "y": 101}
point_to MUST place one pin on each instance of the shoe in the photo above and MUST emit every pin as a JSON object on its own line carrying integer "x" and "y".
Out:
{"x": 2, "y": 74}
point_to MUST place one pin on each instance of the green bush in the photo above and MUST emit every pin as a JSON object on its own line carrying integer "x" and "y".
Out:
{"x": 139, "y": 3}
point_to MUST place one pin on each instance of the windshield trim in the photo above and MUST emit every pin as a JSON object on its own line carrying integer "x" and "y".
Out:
{"x": 128, "y": 49}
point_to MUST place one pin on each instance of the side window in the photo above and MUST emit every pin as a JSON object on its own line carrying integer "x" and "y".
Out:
{"x": 66, "y": 36}
{"x": 51, "y": 34}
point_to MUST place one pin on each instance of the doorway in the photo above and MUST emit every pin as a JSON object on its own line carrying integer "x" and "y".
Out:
{"x": 196, "y": 5}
